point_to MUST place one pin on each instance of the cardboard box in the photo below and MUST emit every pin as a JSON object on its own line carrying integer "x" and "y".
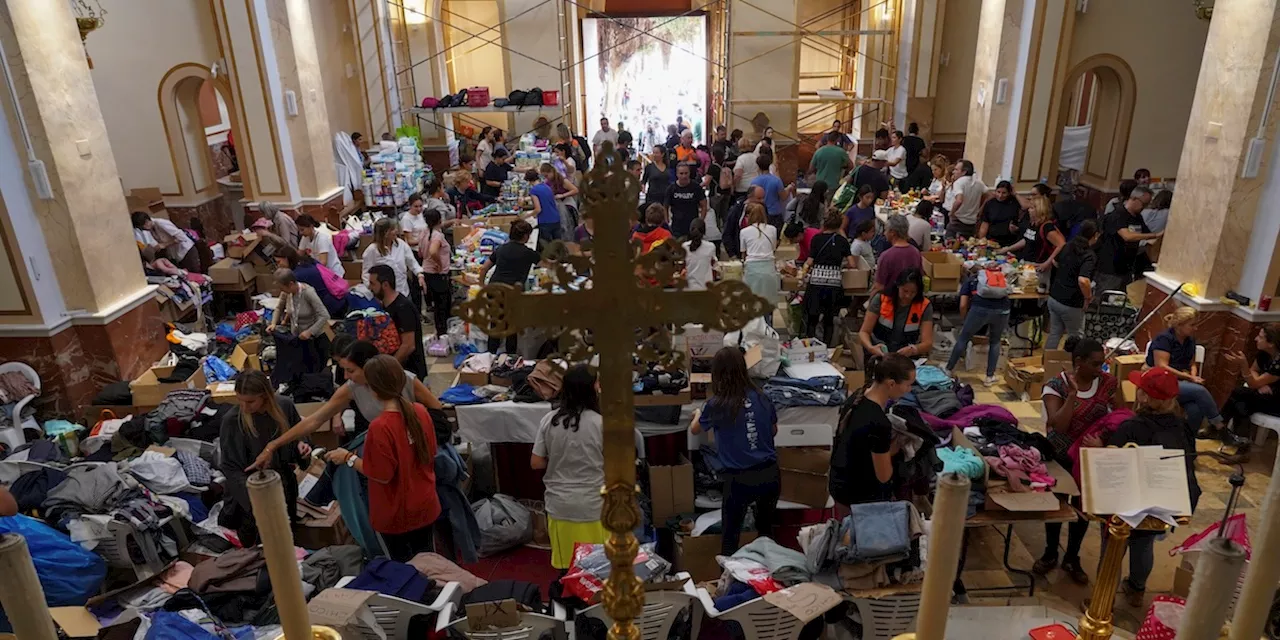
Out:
{"x": 664, "y": 399}
{"x": 804, "y": 475}
{"x": 702, "y": 344}
{"x": 1121, "y": 366}
{"x": 671, "y": 491}
{"x": 241, "y": 245}
{"x": 314, "y": 533}
{"x": 325, "y": 436}
{"x": 805, "y": 601}
{"x": 944, "y": 270}
{"x": 223, "y": 392}
{"x": 1025, "y": 375}
{"x": 148, "y": 391}
{"x": 697, "y": 554}
{"x": 343, "y": 610}
{"x": 75, "y": 622}
{"x": 353, "y": 271}
{"x": 230, "y": 271}
{"x": 363, "y": 243}
{"x": 461, "y": 231}
{"x": 856, "y": 279}
{"x": 267, "y": 284}
{"x": 806, "y": 350}
{"x": 1182, "y": 577}
{"x": 242, "y": 359}
{"x": 473, "y": 379}
{"x": 1126, "y": 394}
{"x": 791, "y": 283}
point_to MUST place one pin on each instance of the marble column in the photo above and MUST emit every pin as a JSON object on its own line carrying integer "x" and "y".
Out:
{"x": 79, "y": 310}
{"x": 1017, "y": 77}
{"x": 1216, "y": 208}
{"x": 269, "y": 54}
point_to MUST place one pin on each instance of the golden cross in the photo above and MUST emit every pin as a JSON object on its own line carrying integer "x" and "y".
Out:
{"x": 616, "y": 307}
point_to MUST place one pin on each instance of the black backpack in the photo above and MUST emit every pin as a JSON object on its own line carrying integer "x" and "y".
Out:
{"x": 516, "y": 98}
{"x": 525, "y": 593}
{"x": 533, "y": 98}
{"x": 586, "y": 148}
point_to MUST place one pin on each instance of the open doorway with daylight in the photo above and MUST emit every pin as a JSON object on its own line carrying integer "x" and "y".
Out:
{"x": 644, "y": 74}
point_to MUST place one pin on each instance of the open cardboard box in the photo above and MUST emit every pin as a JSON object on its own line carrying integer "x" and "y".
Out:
{"x": 945, "y": 269}
{"x": 241, "y": 244}
{"x": 231, "y": 271}
{"x": 856, "y": 279}
{"x": 353, "y": 271}
{"x": 1121, "y": 366}
{"x": 148, "y": 391}
{"x": 1028, "y": 375}
{"x": 851, "y": 360}
{"x": 1001, "y": 498}
{"x": 697, "y": 554}
{"x": 671, "y": 490}
{"x": 804, "y": 475}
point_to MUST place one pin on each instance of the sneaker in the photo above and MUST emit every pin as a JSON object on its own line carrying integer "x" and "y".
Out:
{"x": 1133, "y": 597}
{"x": 1074, "y": 571}
{"x": 991, "y": 380}
{"x": 951, "y": 373}
{"x": 1044, "y": 565}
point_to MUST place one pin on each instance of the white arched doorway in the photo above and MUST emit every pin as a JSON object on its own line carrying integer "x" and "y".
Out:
{"x": 1097, "y": 107}
{"x": 197, "y": 118}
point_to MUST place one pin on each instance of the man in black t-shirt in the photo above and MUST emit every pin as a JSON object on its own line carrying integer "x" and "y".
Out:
{"x": 511, "y": 264}
{"x": 914, "y": 145}
{"x": 1122, "y": 229}
{"x": 687, "y": 201}
{"x": 496, "y": 173}
{"x": 1071, "y": 210}
{"x": 872, "y": 173}
{"x": 862, "y": 461}
{"x": 382, "y": 282}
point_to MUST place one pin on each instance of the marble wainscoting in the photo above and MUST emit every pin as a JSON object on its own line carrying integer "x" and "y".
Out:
{"x": 77, "y": 362}
{"x": 214, "y": 214}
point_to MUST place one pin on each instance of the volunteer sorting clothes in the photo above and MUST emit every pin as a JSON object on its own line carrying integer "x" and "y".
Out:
{"x": 743, "y": 422}
{"x": 317, "y": 242}
{"x": 862, "y": 468}
{"x": 356, "y": 389}
{"x": 569, "y": 445}
{"x": 984, "y": 302}
{"x": 388, "y": 249}
{"x": 299, "y": 325}
{"x": 1075, "y": 401}
{"x": 511, "y": 264}
{"x": 1259, "y": 396}
{"x": 246, "y": 437}
{"x": 399, "y": 461}
{"x": 1157, "y": 423}
{"x": 1174, "y": 349}
{"x": 333, "y": 291}
{"x": 163, "y": 235}
{"x": 899, "y": 320}
{"x": 282, "y": 224}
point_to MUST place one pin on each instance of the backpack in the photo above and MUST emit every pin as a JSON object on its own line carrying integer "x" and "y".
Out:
{"x": 380, "y": 330}
{"x": 586, "y": 149}
{"x": 335, "y": 284}
{"x": 533, "y": 98}
{"x": 525, "y": 593}
{"x": 516, "y": 98}
{"x": 992, "y": 284}
{"x": 430, "y": 103}
{"x": 501, "y": 102}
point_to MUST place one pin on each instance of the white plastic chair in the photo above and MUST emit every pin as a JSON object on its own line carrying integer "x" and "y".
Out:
{"x": 759, "y": 619}
{"x": 1199, "y": 354}
{"x": 659, "y": 613}
{"x": 195, "y": 447}
{"x": 13, "y": 436}
{"x": 888, "y": 617}
{"x": 115, "y": 550}
{"x": 1263, "y": 422}
{"x": 531, "y": 627}
{"x": 804, "y": 435}
{"x": 393, "y": 614}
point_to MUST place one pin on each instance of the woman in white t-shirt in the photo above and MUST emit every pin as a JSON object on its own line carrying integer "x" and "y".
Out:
{"x": 177, "y": 245}
{"x": 412, "y": 224}
{"x": 700, "y": 257}
{"x": 317, "y": 242}
{"x": 484, "y": 150}
{"x": 390, "y": 250}
{"x": 759, "y": 239}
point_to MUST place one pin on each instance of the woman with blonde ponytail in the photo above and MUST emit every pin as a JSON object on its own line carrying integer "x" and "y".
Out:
{"x": 1175, "y": 349}
{"x": 399, "y": 461}
{"x": 259, "y": 417}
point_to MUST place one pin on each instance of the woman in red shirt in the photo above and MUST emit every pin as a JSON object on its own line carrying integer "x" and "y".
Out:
{"x": 399, "y": 460}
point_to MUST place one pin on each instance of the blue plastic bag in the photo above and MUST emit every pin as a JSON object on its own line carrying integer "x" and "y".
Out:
{"x": 68, "y": 573}
{"x": 217, "y": 370}
{"x": 168, "y": 625}
{"x": 227, "y": 331}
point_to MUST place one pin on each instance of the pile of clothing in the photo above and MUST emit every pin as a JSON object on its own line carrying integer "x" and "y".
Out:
{"x": 877, "y": 545}
{"x": 936, "y": 394}
{"x": 759, "y": 567}
{"x": 1013, "y": 454}
{"x": 823, "y": 391}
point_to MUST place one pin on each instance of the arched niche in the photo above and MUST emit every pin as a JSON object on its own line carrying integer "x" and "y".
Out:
{"x": 1110, "y": 92}
{"x": 179, "y": 96}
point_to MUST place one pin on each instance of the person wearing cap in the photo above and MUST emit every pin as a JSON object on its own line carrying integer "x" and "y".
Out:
{"x": 1158, "y": 423}
{"x": 872, "y": 173}
{"x": 1175, "y": 349}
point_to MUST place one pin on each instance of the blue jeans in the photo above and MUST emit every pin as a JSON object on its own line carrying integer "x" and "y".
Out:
{"x": 995, "y": 320}
{"x": 1063, "y": 321}
{"x": 1198, "y": 404}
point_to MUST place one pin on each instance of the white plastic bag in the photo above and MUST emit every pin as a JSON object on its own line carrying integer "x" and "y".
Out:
{"x": 758, "y": 332}
{"x": 504, "y": 523}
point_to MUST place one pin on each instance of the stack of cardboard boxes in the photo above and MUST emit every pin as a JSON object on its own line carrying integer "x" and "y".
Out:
{"x": 944, "y": 269}
{"x": 244, "y": 259}
{"x": 149, "y": 391}
{"x": 1026, "y": 376}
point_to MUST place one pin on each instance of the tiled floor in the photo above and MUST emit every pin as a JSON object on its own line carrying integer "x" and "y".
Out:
{"x": 984, "y": 567}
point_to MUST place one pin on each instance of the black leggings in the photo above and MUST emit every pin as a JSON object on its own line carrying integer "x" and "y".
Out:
{"x": 402, "y": 547}
{"x": 760, "y": 486}
{"x": 1242, "y": 404}
{"x": 441, "y": 295}
{"x": 511, "y": 343}
{"x": 1076, "y": 531}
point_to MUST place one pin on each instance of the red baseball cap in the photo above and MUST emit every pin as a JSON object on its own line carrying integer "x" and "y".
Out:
{"x": 1159, "y": 383}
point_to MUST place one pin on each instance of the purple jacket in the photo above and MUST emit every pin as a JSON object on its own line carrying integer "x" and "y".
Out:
{"x": 966, "y": 416}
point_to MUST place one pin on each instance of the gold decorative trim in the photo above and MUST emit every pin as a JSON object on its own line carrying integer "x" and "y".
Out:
{"x": 269, "y": 102}
{"x": 244, "y": 150}
{"x": 1028, "y": 96}
{"x": 1124, "y": 122}
{"x": 207, "y": 75}
{"x": 20, "y": 276}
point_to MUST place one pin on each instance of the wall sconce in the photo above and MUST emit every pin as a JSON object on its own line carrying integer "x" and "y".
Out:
{"x": 87, "y": 21}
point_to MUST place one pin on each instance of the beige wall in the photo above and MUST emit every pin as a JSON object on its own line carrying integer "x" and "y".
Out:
{"x": 955, "y": 79}
{"x": 771, "y": 75}
{"x": 335, "y": 42}
{"x": 1164, "y": 48}
{"x": 141, "y": 41}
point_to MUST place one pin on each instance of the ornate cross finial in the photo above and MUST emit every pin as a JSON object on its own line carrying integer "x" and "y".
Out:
{"x": 621, "y": 303}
